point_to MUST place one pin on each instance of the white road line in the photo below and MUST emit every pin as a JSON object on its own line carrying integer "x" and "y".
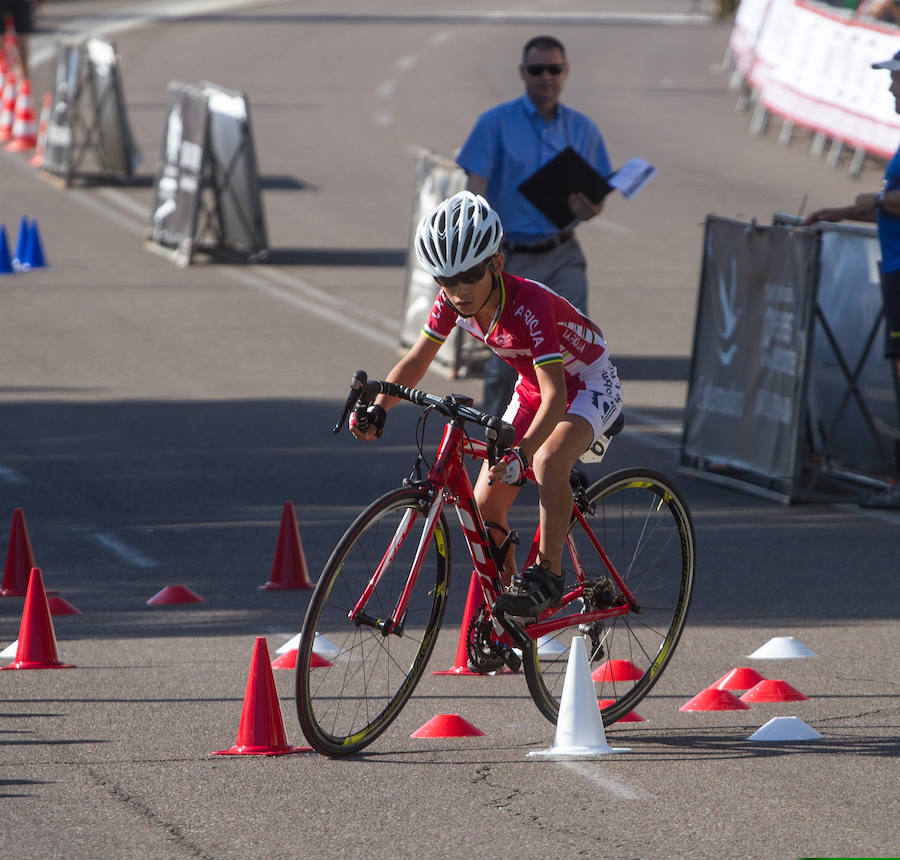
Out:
{"x": 122, "y": 219}
{"x": 123, "y": 551}
{"x": 123, "y": 201}
{"x": 11, "y": 476}
{"x": 312, "y": 308}
{"x": 593, "y": 773}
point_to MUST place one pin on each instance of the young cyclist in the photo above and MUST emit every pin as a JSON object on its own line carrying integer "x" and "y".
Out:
{"x": 568, "y": 391}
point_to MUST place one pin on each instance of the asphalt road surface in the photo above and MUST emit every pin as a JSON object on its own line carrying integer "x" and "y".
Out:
{"x": 153, "y": 420}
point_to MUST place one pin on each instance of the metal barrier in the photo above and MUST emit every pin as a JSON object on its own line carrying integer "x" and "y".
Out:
{"x": 788, "y": 394}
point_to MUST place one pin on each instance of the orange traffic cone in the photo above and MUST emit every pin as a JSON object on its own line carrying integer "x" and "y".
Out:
{"x": 261, "y": 730}
{"x": 289, "y": 565}
{"x": 37, "y": 641}
{"x": 24, "y": 128}
{"x": 8, "y": 106}
{"x": 19, "y": 558}
{"x": 37, "y": 159}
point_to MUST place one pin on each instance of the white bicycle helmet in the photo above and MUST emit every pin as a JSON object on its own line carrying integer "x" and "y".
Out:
{"x": 457, "y": 235}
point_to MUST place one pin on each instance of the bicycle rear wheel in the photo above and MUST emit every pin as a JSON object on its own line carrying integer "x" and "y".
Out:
{"x": 370, "y": 673}
{"x": 645, "y": 527}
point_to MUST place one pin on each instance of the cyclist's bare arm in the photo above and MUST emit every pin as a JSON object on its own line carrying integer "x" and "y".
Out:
{"x": 408, "y": 371}
{"x": 552, "y": 384}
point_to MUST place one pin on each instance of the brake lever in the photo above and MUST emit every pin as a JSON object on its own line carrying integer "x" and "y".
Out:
{"x": 357, "y": 384}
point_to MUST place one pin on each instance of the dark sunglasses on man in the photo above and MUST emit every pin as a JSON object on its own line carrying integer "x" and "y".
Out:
{"x": 537, "y": 69}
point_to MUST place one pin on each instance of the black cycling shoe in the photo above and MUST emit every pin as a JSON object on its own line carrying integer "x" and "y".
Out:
{"x": 531, "y": 593}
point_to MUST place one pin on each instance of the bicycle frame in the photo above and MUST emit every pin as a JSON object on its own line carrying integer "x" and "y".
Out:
{"x": 450, "y": 482}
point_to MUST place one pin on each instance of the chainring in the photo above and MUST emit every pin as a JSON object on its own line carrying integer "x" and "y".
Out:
{"x": 483, "y": 651}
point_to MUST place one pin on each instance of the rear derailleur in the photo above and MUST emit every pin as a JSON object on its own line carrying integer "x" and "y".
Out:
{"x": 599, "y": 593}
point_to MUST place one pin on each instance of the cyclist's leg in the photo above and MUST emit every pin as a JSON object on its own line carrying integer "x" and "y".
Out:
{"x": 552, "y": 465}
{"x": 494, "y": 501}
{"x": 589, "y": 413}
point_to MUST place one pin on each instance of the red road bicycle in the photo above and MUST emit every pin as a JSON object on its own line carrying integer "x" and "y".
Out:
{"x": 376, "y": 611}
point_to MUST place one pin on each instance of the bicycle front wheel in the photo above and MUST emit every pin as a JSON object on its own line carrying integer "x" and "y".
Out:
{"x": 354, "y": 676}
{"x": 644, "y": 526}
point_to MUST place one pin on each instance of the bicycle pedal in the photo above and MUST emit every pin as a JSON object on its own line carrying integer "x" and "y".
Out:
{"x": 512, "y": 660}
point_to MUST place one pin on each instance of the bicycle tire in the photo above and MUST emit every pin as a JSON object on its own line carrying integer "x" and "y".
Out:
{"x": 645, "y": 526}
{"x": 347, "y": 704}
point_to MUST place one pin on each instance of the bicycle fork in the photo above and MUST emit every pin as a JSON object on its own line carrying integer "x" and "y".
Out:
{"x": 394, "y": 624}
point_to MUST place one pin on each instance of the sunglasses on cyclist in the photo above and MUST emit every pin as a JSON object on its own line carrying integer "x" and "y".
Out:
{"x": 537, "y": 69}
{"x": 470, "y": 276}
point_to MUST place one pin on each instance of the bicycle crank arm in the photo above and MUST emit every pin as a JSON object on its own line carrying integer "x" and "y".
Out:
{"x": 518, "y": 636}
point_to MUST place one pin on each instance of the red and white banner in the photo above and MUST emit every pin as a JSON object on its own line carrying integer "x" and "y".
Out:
{"x": 812, "y": 65}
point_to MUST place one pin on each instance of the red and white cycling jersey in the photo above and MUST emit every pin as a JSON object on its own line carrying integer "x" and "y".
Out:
{"x": 533, "y": 326}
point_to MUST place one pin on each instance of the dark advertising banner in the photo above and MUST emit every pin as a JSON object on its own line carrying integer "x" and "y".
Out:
{"x": 746, "y": 394}
{"x": 176, "y": 193}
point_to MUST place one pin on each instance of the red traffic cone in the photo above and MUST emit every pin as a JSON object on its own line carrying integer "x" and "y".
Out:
{"x": 37, "y": 159}
{"x": 773, "y": 691}
{"x": 37, "y": 641}
{"x": 461, "y": 661}
{"x": 288, "y": 660}
{"x": 447, "y": 726}
{"x": 24, "y": 128}
{"x": 616, "y": 670}
{"x": 289, "y": 565}
{"x": 10, "y": 40}
{"x": 261, "y": 730}
{"x": 630, "y": 717}
{"x": 740, "y": 678}
{"x": 61, "y": 606}
{"x": 8, "y": 106}
{"x": 174, "y": 594}
{"x": 19, "y": 558}
{"x": 715, "y": 700}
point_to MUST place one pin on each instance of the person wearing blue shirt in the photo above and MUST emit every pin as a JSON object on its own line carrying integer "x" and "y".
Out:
{"x": 882, "y": 207}
{"x": 508, "y": 143}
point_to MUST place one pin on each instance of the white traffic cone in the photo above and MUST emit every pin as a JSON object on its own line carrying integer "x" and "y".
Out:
{"x": 782, "y": 648}
{"x": 785, "y": 729}
{"x": 579, "y": 728}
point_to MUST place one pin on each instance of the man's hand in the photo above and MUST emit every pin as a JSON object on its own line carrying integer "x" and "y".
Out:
{"x": 582, "y": 208}
{"x": 864, "y": 208}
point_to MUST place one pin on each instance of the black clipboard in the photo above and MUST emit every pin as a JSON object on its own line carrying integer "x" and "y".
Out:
{"x": 549, "y": 186}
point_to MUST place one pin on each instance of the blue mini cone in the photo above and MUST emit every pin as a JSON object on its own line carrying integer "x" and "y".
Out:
{"x": 6, "y": 266}
{"x": 34, "y": 251}
{"x": 18, "y": 259}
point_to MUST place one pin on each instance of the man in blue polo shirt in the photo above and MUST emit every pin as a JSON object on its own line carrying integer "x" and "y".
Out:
{"x": 508, "y": 143}
{"x": 883, "y": 207}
